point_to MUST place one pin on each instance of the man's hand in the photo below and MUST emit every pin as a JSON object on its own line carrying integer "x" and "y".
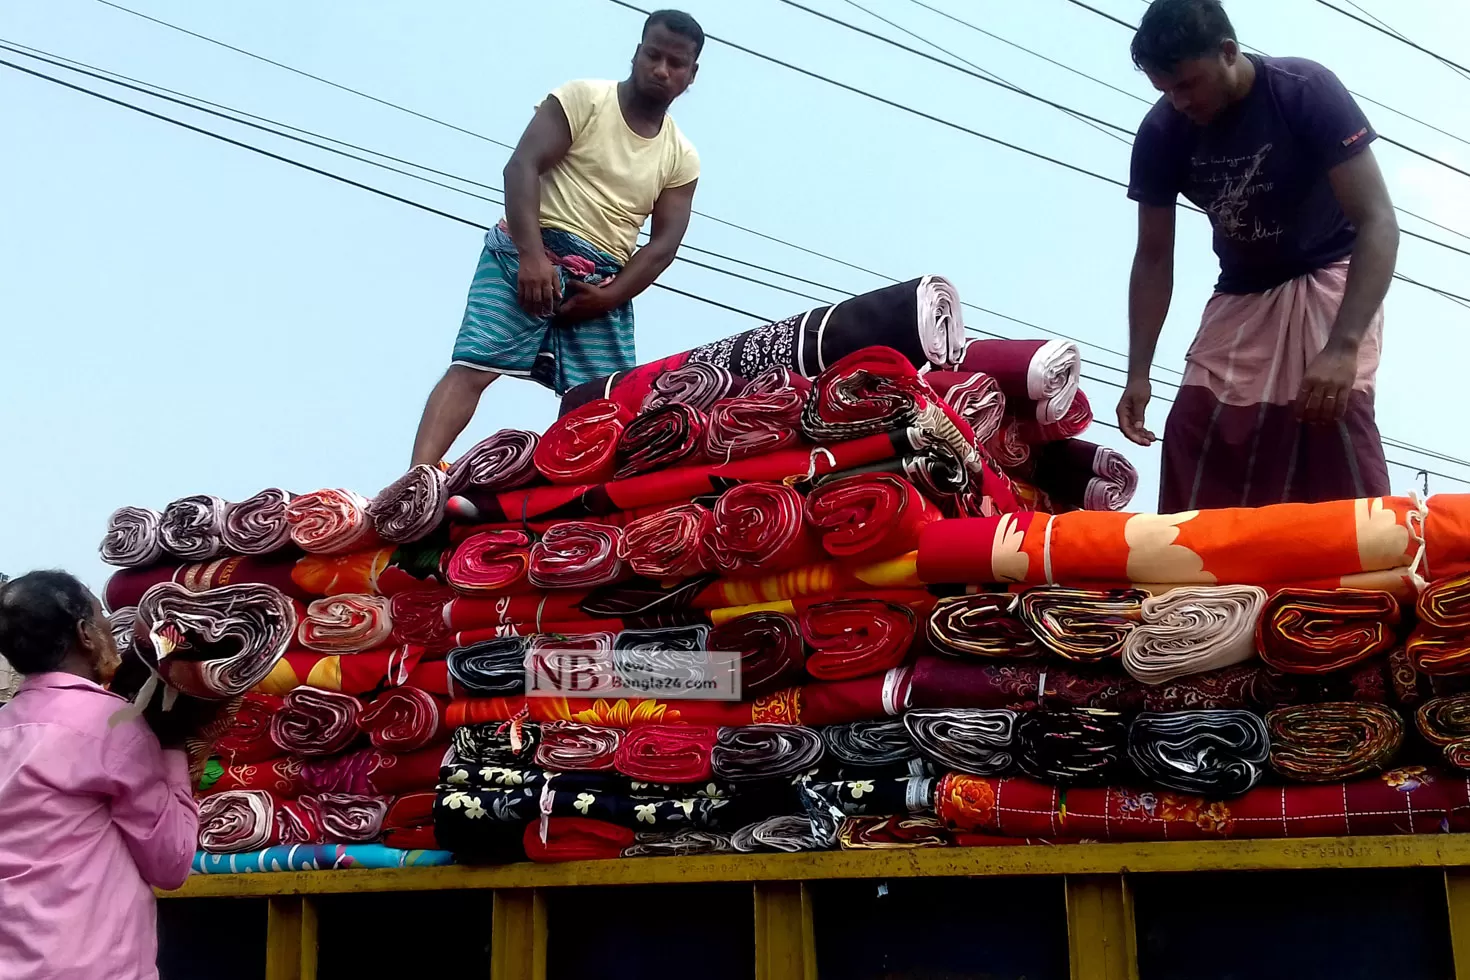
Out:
{"x": 538, "y": 284}
{"x": 1328, "y": 383}
{"x": 584, "y": 301}
{"x": 1131, "y": 408}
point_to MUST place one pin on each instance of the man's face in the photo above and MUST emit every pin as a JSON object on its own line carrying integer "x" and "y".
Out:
{"x": 1199, "y": 88}
{"x": 95, "y": 637}
{"x": 664, "y": 65}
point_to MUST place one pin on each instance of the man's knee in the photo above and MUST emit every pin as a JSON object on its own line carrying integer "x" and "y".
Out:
{"x": 468, "y": 378}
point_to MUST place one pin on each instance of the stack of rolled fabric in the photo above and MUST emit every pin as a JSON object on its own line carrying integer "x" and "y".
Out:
{"x": 779, "y": 594}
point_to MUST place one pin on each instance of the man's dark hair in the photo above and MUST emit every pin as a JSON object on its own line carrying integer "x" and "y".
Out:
{"x": 1178, "y": 30}
{"x": 677, "y": 22}
{"x": 39, "y": 614}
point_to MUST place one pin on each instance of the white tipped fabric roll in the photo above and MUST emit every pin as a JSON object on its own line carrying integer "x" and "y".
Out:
{"x": 1193, "y": 629}
{"x": 1115, "y": 483}
{"x": 941, "y": 322}
{"x": 1056, "y": 371}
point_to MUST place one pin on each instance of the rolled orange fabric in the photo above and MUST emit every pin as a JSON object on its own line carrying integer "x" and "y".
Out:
{"x": 1308, "y": 631}
{"x": 869, "y": 516}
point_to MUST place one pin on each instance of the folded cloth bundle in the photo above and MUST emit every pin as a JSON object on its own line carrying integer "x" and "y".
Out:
{"x": 299, "y": 821}
{"x": 1327, "y": 742}
{"x": 856, "y": 637}
{"x": 577, "y": 662}
{"x": 1230, "y": 546}
{"x": 682, "y": 843}
{"x": 761, "y": 527}
{"x": 1039, "y": 377}
{"x": 464, "y": 613}
{"x": 504, "y": 461}
{"x": 215, "y": 644}
{"x": 581, "y": 446}
{"x": 403, "y": 719}
{"x": 1312, "y": 631}
{"x": 976, "y": 396}
{"x": 671, "y": 544}
{"x": 698, "y": 384}
{"x": 1445, "y": 723}
{"x": 770, "y": 648}
{"x": 569, "y": 746}
{"x": 418, "y": 617}
{"x": 190, "y": 527}
{"x": 576, "y": 555}
{"x": 788, "y": 834}
{"x": 875, "y": 797}
{"x": 509, "y": 743}
{"x": 658, "y": 438}
{"x": 667, "y": 753}
{"x": 282, "y": 778}
{"x": 1083, "y": 625}
{"x": 132, "y": 539}
{"x": 574, "y": 839}
{"x": 257, "y": 525}
{"x": 323, "y": 857}
{"x": 241, "y": 820}
{"x": 889, "y": 833}
{"x": 313, "y": 722}
{"x": 1440, "y": 644}
{"x": 409, "y": 823}
{"x": 1006, "y": 446}
{"x": 492, "y": 668}
{"x": 1070, "y": 745}
{"x": 982, "y": 625}
{"x": 412, "y": 506}
{"x": 756, "y": 752}
{"x": 753, "y": 424}
{"x": 346, "y": 624}
{"x": 376, "y": 571}
{"x": 869, "y": 516}
{"x": 372, "y": 772}
{"x": 1069, "y": 426}
{"x": 248, "y": 739}
{"x": 636, "y": 812}
{"x": 1214, "y": 753}
{"x": 869, "y": 391}
{"x": 1193, "y": 629}
{"x": 1077, "y": 474}
{"x": 979, "y": 741}
{"x": 655, "y": 659}
{"x": 349, "y": 817}
{"x": 331, "y": 522}
{"x": 123, "y": 624}
{"x": 491, "y": 562}
{"x": 878, "y": 746}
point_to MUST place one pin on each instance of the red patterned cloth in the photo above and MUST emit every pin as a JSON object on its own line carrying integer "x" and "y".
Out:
{"x": 753, "y": 424}
{"x": 577, "y": 555}
{"x": 126, "y": 587}
{"x": 491, "y": 563}
{"x": 770, "y": 647}
{"x": 671, "y": 544}
{"x": 552, "y": 607}
{"x": 761, "y": 528}
{"x": 856, "y": 638}
{"x": 404, "y": 719}
{"x": 659, "y": 438}
{"x": 279, "y": 777}
{"x": 353, "y": 673}
{"x": 1440, "y": 644}
{"x": 666, "y": 753}
{"x": 409, "y": 824}
{"x": 502, "y": 462}
{"x": 976, "y": 396}
{"x": 370, "y": 772}
{"x": 248, "y": 739}
{"x": 418, "y": 617}
{"x": 580, "y": 447}
{"x": 331, "y": 522}
{"x": 869, "y": 516}
{"x": 313, "y": 722}
{"x": 574, "y": 839}
{"x": 1312, "y": 631}
{"x": 1401, "y": 801}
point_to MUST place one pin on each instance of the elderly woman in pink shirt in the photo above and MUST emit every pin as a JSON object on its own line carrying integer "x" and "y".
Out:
{"x": 93, "y": 811}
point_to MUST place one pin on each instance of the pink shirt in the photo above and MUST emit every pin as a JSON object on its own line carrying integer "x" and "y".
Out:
{"x": 91, "y": 815}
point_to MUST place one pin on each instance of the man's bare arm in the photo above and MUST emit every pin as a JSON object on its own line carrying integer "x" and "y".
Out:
{"x": 1150, "y": 290}
{"x": 670, "y": 221}
{"x": 542, "y": 146}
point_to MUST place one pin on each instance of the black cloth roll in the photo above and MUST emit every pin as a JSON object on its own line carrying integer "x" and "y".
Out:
{"x": 1070, "y": 745}
{"x": 493, "y": 668}
{"x": 757, "y": 752}
{"x": 1212, "y": 753}
{"x": 978, "y": 741}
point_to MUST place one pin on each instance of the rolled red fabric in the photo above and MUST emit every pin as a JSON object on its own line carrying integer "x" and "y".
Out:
{"x": 299, "y": 822}
{"x": 372, "y": 772}
{"x": 672, "y": 544}
{"x": 504, "y": 461}
{"x": 975, "y": 395}
{"x": 871, "y": 390}
{"x": 754, "y": 424}
{"x": 126, "y": 587}
{"x": 667, "y": 753}
{"x": 493, "y": 562}
{"x": 1006, "y": 446}
{"x": 1312, "y": 631}
{"x": 697, "y": 384}
{"x": 1440, "y": 644}
{"x": 580, "y": 663}
{"x": 1445, "y": 604}
{"x": 869, "y": 516}
{"x": 567, "y": 746}
{"x": 350, "y": 818}
{"x": 657, "y": 439}
{"x": 279, "y": 777}
{"x": 248, "y": 738}
{"x": 313, "y": 722}
{"x": 574, "y": 839}
{"x": 418, "y": 617}
{"x": 346, "y": 624}
{"x": 576, "y": 555}
{"x": 856, "y": 637}
{"x": 409, "y": 823}
{"x": 1039, "y": 377}
{"x": 1071, "y": 425}
{"x": 403, "y": 719}
{"x": 581, "y": 446}
{"x": 761, "y": 528}
{"x": 216, "y": 644}
{"x": 771, "y": 651}
{"x": 471, "y": 614}
{"x": 331, "y": 522}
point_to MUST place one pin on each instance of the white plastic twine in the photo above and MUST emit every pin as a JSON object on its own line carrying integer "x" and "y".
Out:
{"x": 1416, "y": 521}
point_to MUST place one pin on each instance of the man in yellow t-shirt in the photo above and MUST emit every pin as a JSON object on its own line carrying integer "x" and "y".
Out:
{"x": 552, "y": 297}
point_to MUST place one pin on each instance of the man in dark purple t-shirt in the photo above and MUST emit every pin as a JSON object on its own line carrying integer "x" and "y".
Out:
{"x": 1277, "y": 399}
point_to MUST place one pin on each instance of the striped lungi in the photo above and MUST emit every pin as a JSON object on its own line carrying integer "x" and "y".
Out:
{"x": 498, "y": 335}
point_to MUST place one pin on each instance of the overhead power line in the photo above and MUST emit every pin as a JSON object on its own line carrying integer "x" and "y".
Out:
{"x": 466, "y": 221}
{"x": 1395, "y": 35}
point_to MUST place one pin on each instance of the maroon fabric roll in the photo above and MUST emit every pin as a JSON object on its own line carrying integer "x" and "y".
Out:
{"x": 672, "y": 544}
{"x": 190, "y": 527}
{"x": 577, "y": 555}
{"x": 350, "y": 819}
{"x": 331, "y": 522}
{"x": 237, "y": 821}
{"x": 771, "y": 651}
{"x": 125, "y": 588}
{"x": 217, "y": 644}
{"x": 567, "y": 746}
{"x": 582, "y": 663}
{"x": 257, "y": 525}
{"x": 299, "y": 821}
{"x": 753, "y": 424}
{"x": 403, "y": 719}
{"x": 667, "y": 753}
{"x": 313, "y": 722}
{"x": 412, "y": 506}
{"x": 248, "y": 738}
{"x": 418, "y": 617}
{"x": 760, "y": 528}
{"x": 657, "y": 439}
{"x": 491, "y": 563}
{"x": 697, "y": 384}
{"x": 870, "y": 516}
{"x": 504, "y": 461}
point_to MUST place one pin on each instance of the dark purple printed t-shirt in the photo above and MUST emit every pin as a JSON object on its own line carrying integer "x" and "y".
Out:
{"x": 1260, "y": 172}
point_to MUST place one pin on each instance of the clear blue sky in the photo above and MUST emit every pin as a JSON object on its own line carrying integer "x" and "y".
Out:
{"x": 181, "y": 316}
